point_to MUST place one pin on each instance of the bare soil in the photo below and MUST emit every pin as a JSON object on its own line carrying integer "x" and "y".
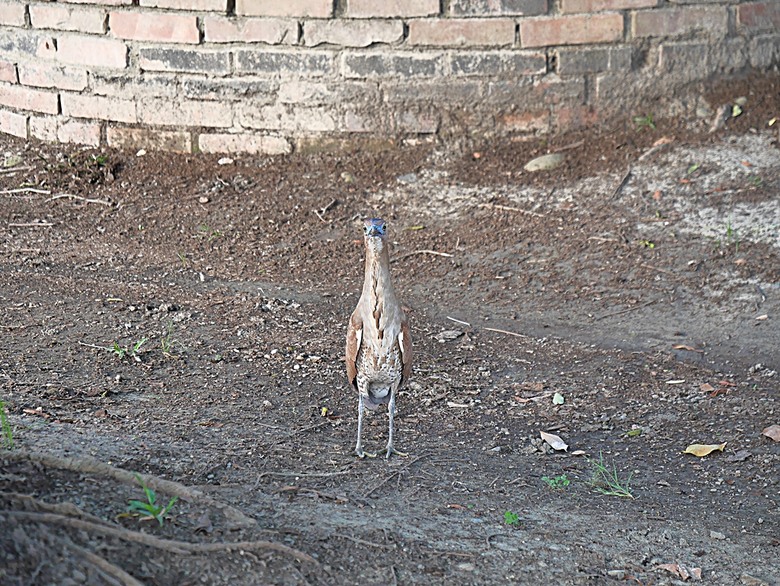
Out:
{"x": 183, "y": 317}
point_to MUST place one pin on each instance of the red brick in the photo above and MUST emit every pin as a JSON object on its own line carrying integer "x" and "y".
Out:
{"x": 98, "y": 107}
{"x": 77, "y": 132}
{"x": 759, "y": 16}
{"x": 8, "y": 72}
{"x": 159, "y": 27}
{"x": 571, "y": 30}
{"x": 198, "y": 5}
{"x": 568, "y": 6}
{"x": 162, "y": 112}
{"x": 67, "y": 18}
{"x": 94, "y": 51}
{"x": 273, "y": 31}
{"x": 24, "y": 98}
{"x": 352, "y": 33}
{"x": 462, "y": 32}
{"x": 50, "y": 75}
{"x": 297, "y": 8}
{"x": 680, "y": 21}
{"x": 13, "y": 123}
{"x": 525, "y": 121}
{"x": 156, "y": 140}
{"x": 391, "y": 8}
{"x": 252, "y": 144}
{"x": 12, "y": 13}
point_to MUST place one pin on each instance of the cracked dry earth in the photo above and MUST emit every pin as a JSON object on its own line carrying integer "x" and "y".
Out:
{"x": 648, "y": 301}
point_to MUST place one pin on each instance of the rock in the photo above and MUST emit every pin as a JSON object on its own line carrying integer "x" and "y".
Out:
{"x": 749, "y": 580}
{"x": 717, "y": 535}
{"x": 408, "y": 178}
{"x": 448, "y": 335}
{"x": 545, "y": 162}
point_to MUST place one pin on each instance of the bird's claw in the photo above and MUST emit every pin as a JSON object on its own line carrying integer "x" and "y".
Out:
{"x": 390, "y": 450}
{"x": 361, "y": 454}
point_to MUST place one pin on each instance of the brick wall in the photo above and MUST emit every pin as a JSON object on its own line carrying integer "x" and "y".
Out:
{"x": 270, "y": 76}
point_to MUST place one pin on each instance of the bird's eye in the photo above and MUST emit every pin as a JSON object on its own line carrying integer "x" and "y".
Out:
{"x": 384, "y": 227}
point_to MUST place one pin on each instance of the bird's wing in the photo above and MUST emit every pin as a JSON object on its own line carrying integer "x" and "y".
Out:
{"x": 405, "y": 344}
{"x": 354, "y": 337}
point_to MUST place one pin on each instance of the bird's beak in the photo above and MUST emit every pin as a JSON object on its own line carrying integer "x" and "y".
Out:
{"x": 373, "y": 231}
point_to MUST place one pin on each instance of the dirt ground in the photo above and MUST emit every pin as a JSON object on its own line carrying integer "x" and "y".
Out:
{"x": 183, "y": 317}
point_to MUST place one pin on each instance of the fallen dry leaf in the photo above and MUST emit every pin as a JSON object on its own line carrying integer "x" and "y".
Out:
{"x": 556, "y": 443}
{"x": 686, "y": 347}
{"x": 706, "y": 387}
{"x": 682, "y": 571}
{"x": 772, "y": 432}
{"x": 702, "y": 450}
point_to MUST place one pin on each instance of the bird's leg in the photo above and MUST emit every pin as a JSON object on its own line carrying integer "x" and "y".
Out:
{"x": 390, "y": 414}
{"x": 359, "y": 446}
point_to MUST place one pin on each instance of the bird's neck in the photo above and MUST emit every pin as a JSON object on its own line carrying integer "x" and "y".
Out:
{"x": 377, "y": 272}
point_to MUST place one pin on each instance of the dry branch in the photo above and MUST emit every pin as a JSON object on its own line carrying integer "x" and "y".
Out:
{"x": 433, "y": 252}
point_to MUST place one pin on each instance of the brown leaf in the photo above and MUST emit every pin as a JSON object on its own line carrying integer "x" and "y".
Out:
{"x": 556, "y": 443}
{"x": 772, "y": 432}
{"x": 682, "y": 571}
{"x": 706, "y": 387}
{"x": 701, "y": 450}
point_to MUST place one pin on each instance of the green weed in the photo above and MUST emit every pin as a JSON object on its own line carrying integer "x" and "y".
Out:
{"x": 511, "y": 519}
{"x": 167, "y": 342}
{"x": 150, "y": 509}
{"x": 557, "y": 482}
{"x": 5, "y": 425}
{"x": 606, "y": 480}
{"x": 210, "y": 233}
{"x": 644, "y": 122}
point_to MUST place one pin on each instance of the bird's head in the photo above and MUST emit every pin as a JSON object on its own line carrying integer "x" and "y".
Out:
{"x": 374, "y": 230}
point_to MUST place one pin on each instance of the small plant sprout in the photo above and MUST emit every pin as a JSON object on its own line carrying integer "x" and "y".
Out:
{"x": 5, "y": 425}
{"x": 150, "y": 509}
{"x": 511, "y": 519}
{"x": 644, "y": 122}
{"x": 167, "y": 342}
{"x": 210, "y": 233}
{"x": 647, "y": 244}
{"x": 606, "y": 480}
{"x": 557, "y": 482}
{"x": 122, "y": 351}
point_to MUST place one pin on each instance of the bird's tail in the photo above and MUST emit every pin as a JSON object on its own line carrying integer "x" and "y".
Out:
{"x": 376, "y": 396}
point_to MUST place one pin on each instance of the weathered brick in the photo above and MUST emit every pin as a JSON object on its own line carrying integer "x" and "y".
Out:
{"x": 764, "y": 51}
{"x": 313, "y": 92}
{"x": 697, "y": 60}
{"x": 280, "y": 62}
{"x": 446, "y": 91}
{"x": 198, "y": 5}
{"x": 282, "y": 117}
{"x": 27, "y": 43}
{"x": 68, "y": 18}
{"x": 498, "y": 7}
{"x": 98, "y": 107}
{"x": 148, "y": 138}
{"x": 252, "y": 144}
{"x": 352, "y": 33}
{"x": 273, "y": 31}
{"x": 208, "y": 88}
{"x": 154, "y": 26}
{"x": 13, "y": 123}
{"x": 417, "y": 121}
{"x": 295, "y": 8}
{"x": 587, "y": 60}
{"x": 375, "y": 65}
{"x": 25, "y": 98}
{"x": 77, "y": 132}
{"x": 571, "y": 30}
{"x": 549, "y": 90}
{"x": 43, "y": 128}
{"x": 712, "y": 20}
{"x": 161, "y": 112}
{"x": 462, "y": 32}
{"x": 490, "y": 63}
{"x": 361, "y": 120}
{"x": 525, "y": 121}
{"x": 759, "y": 16}
{"x": 391, "y": 8}
{"x": 102, "y": 2}
{"x": 128, "y": 86}
{"x": 188, "y": 60}
{"x": 83, "y": 50}
{"x": 12, "y": 13}
{"x": 51, "y": 75}
{"x": 569, "y": 6}
{"x": 8, "y": 72}
{"x": 565, "y": 118}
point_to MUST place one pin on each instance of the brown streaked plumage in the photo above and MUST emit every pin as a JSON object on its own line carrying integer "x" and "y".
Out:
{"x": 379, "y": 346}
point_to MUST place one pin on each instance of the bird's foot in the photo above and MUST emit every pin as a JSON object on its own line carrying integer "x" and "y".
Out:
{"x": 361, "y": 454}
{"x": 390, "y": 450}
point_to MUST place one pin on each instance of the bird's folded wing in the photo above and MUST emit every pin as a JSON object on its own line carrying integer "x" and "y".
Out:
{"x": 354, "y": 337}
{"x": 405, "y": 344}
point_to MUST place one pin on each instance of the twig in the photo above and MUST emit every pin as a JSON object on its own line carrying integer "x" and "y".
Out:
{"x": 503, "y": 208}
{"x": 362, "y": 541}
{"x": 25, "y": 190}
{"x": 102, "y": 564}
{"x": 660, "y": 270}
{"x": 171, "y": 545}
{"x": 388, "y": 478}
{"x": 29, "y": 224}
{"x": 623, "y": 183}
{"x": 104, "y": 202}
{"x": 433, "y": 252}
{"x": 568, "y": 147}
{"x": 458, "y": 321}
{"x": 505, "y": 332}
{"x": 602, "y": 239}
{"x": 626, "y": 310}
{"x": 15, "y": 169}
{"x": 324, "y": 210}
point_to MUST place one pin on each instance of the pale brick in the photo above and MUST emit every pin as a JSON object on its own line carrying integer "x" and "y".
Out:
{"x": 280, "y": 117}
{"x": 571, "y": 30}
{"x": 154, "y": 26}
{"x": 592, "y": 60}
{"x": 391, "y": 8}
{"x": 14, "y": 41}
{"x": 76, "y": 132}
{"x": 549, "y": 90}
{"x": 441, "y": 92}
{"x": 198, "y": 5}
{"x": 378, "y": 65}
{"x": 211, "y": 88}
{"x": 127, "y": 85}
{"x": 25, "y": 98}
{"x": 680, "y": 21}
{"x": 759, "y": 16}
{"x": 295, "y": 8}
{"x": 422, "y": 121}
{"x": 764, "y": 51}
{"x": 50, "y": 75}
{"x": 161, "y": 112}
{"x": 494, "y": 63}
{"x": 569, "y": 6}
{"x": 312, "y": 92}
{"x": 101, "y": 2}
{"x": 98, "y": 107}
{"x": 498, "y": 7}
{"x": 12, "y": 13}
{"x": 147, "y": 138}
{"x": 188, "y": 60}
{"x": 43, "y": 128}
{"x": 8, "y": 72}
{"x": 13, "y": 123}
{"x": 352, "y": 33}
{"x": 251, "y": 144}
{"x": 272, "y": 31}
{"x": 536, "y": 121}
{"x": 68, "y": 18}
{"x": 462, "y": 32}
{"x": 82, "y": 50}
{"x": 310, "y": 63}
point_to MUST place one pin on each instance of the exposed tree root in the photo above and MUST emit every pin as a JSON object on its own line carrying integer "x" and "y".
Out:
{"x": 103, "y": 565}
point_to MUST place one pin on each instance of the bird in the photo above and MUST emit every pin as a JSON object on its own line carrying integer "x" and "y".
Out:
{"x": 379, "y": 345}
